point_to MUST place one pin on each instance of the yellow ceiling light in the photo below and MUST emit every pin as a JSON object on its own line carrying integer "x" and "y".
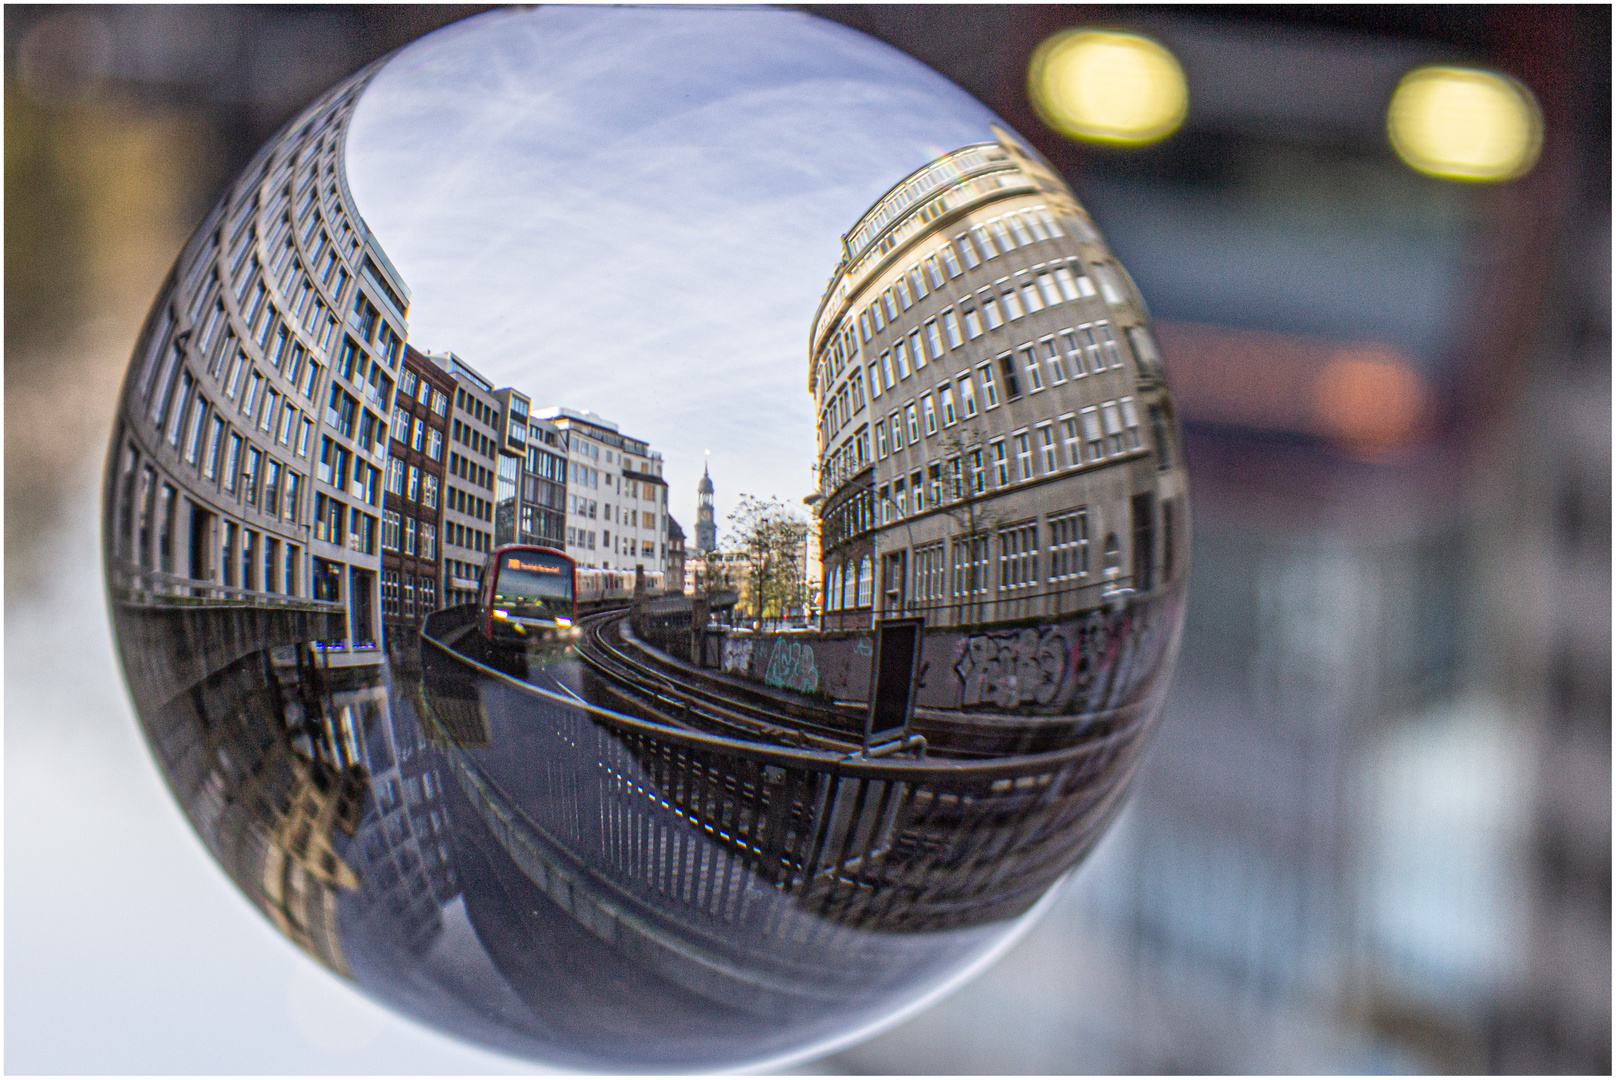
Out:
{"x": 1464, "y": 124}
{"x": 1103, "y": 86}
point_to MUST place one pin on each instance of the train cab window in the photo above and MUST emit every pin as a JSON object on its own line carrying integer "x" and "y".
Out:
{"x": 534, "y": 585}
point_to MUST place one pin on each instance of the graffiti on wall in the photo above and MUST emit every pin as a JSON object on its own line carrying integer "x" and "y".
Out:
{"x": 792, "y": 665}
{"x": 1088, "y": 665}
{"x": 737, "y": 656}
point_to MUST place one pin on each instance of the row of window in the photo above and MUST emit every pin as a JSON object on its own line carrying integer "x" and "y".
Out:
{"x": 1007, "y": 301}
{"x": 1098, "y": 432}
{"x": 267, "y": 564}
{"x": 360, "y": 479}
{"x": 146, "y": 533}
{"x": 961, "y": 568}
{"x": 337, "y": 523}
{"x": 412, "y": 483}
{"x": 206, "y": 440}
{"x": 978, "y": 244}
{"x": 461, "y": 535}
{"x": 465, "y": 502}
{"x": 480, "y": 410}
{"x": 416, "y": 433}
{"x": 471, "y": 472}
{"x": 408, "y": 595}
{"x": 409, "y": 535}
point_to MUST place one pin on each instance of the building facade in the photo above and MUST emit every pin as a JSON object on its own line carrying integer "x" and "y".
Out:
{"x": 543, "y": 513}
{"x": 254, "y": 429}
{"x": 617, "y": 500}
{"x": 412, "y": 521}
{"x": 675, "y": 580}
{"x": 472, "y": 465}
{"x": 990, "y": 406}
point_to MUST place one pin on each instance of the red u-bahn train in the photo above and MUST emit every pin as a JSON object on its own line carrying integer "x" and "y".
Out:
{"x": 531, "y": 593}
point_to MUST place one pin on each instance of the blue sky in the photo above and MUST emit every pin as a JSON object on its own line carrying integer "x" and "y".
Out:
{"x": 636, "y": 211}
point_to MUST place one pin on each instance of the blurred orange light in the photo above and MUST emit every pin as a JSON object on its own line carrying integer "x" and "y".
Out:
{"x": 1368, "y": 398}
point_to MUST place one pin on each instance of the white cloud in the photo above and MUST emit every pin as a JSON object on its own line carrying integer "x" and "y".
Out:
{"x": 636, "y": 211}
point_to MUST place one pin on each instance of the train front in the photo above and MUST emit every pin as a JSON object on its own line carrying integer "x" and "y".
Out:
{"x": 530, "y": 597}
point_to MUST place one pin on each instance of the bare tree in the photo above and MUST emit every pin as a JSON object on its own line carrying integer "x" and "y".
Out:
{"x": 772, "y": 538}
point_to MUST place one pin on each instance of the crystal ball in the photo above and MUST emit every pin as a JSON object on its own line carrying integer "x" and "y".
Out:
{"x": 647, "y": 539}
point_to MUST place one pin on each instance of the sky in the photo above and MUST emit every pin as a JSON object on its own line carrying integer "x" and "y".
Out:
{"x": 636, "y": 212}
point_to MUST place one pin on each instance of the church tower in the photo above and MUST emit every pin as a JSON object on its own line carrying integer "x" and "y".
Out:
{"x": 706, "y": 530}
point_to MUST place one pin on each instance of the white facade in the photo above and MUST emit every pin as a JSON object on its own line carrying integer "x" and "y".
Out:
{"x": 617, "y": 500}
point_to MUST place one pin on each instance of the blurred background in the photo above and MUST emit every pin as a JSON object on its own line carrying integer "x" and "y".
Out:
{"x": 1373, "y": 833}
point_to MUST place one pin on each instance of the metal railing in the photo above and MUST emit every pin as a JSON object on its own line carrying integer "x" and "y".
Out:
{"x": 685, "y": 819}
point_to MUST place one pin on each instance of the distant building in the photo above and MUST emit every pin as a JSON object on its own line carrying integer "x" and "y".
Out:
{"x": 989, "y": 406}
{"x": 543, "y": 506}
{"x": 472, "y": 466}
{"x": 706, "y": 528}
{"x": 412, "y": 521}
{"x": 617, "y": 500}
{"x": 675, "y": 571}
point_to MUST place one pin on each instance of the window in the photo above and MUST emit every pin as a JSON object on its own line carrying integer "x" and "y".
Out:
{"x": 1074, "y": 456}
{"x": 984, "y": 242}
{"x": 1030, "y": 298}
{"x": 413, "y": 491}
{"x": 1012, "y": 384}
{"x": 429, "y": 540}
{"x": 951, "y": 328}
{"x": 1023, "y": 457}
{"x": 967, "y": 251}
{"x": 917, "y": 349}
{"x": 1108, "y": 284}
{"x": 967, "y": 389}
{"x": 945, "y": 394}
{"x": 1146, "y": 358}
{"x": 875, "y": 382}
{"x": 990, "y": 311}
{"x": 1029, "y": 367}
{"x": 1066, "y": 283}
{"x": 881, "y": 439}
{"x": 1130, "y": 424}
{"x": 970, "y": 569}
{"x": 288, "y": 425}
{"x": 1049, "y": 290}
{"x": 911, "y": 423}
{"x": 395, "y": 476}
{"x": 412, "y": 535}
{"x": 294, "y": 488}
{"x": 931, "y": 575}
{"x": 1002, "y": 235}
{"x": 1108, "y": 344}
{"x": 902, "y": 288}
{"x": 1068, "y": 545}
{"x": 1018, "y": 557}
{"x": 1052, "y": 361}
{"x": 900, "y": 497}
{"x": 900, "y": 353}
{"x": 193, "y": 436}
{"x": 418, "y": 433}
{"x": 1091, "y": 433}
{"x": 973, "y": 321}
{"x": 929, "y": 413}
{"x": 990, "y": 388}
{"x": 917, "y": 283}
{"x": 1112, "y": 417}
{"x": 1012, "y": 301}
{"x": 1001, "y": 464}
{"x": 249, "y": 476}
{"x": 897, "y": 432}
{"x": 978, "y": 473}
{"x": 232, "y": 463}
{"x": 886, "y": 371}
{"x": 1046, "y": 446}
{"x": 429, "y": 492}
{"x": 390, "y": 530}
{"x": 933, "y": 274}
{"x": 272, "y": 488}
{"x": 934, "y": 339}
{"x": 950, "y": 263}
{"x": 434, "y": 444}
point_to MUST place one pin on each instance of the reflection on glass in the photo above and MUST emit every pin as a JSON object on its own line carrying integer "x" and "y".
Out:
{"x": 433, "y": 674}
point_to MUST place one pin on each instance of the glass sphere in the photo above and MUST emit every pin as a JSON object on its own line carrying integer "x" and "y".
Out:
{"x": 566, "y": 615}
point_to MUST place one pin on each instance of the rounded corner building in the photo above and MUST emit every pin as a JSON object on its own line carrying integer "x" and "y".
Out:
{"x": 994, "y": 431}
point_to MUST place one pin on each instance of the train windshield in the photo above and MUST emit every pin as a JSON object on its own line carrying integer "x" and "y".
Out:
{"x": 534, "y": 585}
